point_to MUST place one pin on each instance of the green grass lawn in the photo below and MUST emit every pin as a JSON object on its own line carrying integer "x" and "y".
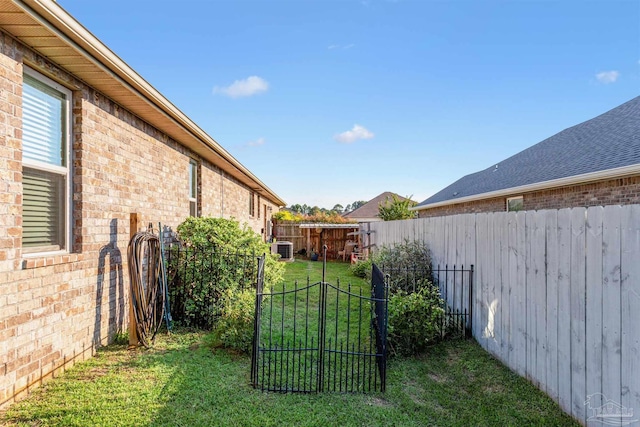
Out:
{"x": 184, "y": 381}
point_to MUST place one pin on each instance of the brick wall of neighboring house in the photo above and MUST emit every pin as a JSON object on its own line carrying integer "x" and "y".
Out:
{"x": 621, "y": 191}
{"x": 56, "y": 310}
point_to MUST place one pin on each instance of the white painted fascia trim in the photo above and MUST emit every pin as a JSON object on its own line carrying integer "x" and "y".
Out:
{"x": 544, "y": 185}
{"x": 52, "y": 15}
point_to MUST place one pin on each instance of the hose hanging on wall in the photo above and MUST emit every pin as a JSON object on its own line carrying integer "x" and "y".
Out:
{"x": 148, "y": 283}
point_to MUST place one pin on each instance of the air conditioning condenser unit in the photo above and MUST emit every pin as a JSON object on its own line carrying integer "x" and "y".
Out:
{"x": 284, "y": 249}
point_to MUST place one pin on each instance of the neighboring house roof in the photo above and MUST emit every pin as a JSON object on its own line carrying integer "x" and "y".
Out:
{"x": 47, "y": 28}
{"x": 370, "y": 209}
{"x": 607, "y": 146}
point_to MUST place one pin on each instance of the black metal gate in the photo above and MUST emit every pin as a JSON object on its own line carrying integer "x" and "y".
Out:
{"x": 321, "y": 337}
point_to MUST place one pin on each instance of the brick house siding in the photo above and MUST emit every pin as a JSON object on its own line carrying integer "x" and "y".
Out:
{"x": 621, "y": 191}
{"x": 55, "y": 310}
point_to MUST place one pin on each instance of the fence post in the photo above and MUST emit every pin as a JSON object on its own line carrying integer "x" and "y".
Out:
{"x": 470, "y": 328}
{"x": 256, "y": 322}
{"x": 322, "y": 325}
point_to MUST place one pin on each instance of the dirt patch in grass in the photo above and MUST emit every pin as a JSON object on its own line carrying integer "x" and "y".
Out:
{"x": 438, "y": 378}
{"x": 493, "y": 388}
{"x": 414, "y": 391}
{"x": 379, "y": 402}
{"x": 453, "y": 357}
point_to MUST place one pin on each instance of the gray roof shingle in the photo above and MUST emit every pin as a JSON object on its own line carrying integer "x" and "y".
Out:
{"x": 608, "y": 141}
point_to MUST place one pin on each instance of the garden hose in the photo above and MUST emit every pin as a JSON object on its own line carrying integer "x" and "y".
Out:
{"x": 148, "y": 284}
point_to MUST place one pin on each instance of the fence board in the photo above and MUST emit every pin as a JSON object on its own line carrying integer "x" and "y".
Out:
{"x": 551, "y": 222}
{"x": 611, "y": 325}
{"x": 564, "y": 309}
{"x": 630, "y": 293}
{"x": 482, "y": 319}
{"x": 486, "y": 247}
{"x": 578, "y": 351}
{"x": 520, "y": 285}
{"x": 513, "y": 291}
{"x": 469, "y": 259}
{"x": 539, "y": 292}
{"x": 529, "y": 301}
{"x": 503, "y": 268}
{"x": 594, "y": 305}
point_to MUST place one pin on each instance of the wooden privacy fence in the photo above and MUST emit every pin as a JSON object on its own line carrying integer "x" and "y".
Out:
{"x": 290, "y": 232}
{"x": 556, "y": 297}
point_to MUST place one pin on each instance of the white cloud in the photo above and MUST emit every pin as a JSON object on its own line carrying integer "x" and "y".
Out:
{"x": 356, "y": 133}
{"x": 256, "y": 143}
{"x": 607, "y": 77}
{"x": 240, "y": 88}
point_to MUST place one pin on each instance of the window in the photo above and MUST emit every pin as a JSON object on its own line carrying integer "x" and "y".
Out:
{"x": 258, "y": 207}
{"x": 193, "y": 188}
{"x": 46, "y": 212}
{"x": 252, "y": 206}
{"x": 515, "y": 204}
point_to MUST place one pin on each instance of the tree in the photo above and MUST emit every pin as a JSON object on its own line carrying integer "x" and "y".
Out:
{"x": 396, "y": 209}
{"x": 358, "y": 203}
{"x": 338, "y": 208}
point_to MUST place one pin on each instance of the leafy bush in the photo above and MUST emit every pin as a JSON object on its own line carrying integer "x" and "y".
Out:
{"x": 407, "y": 263}
{"x": 220, "y": 259}
{"x": 396, "y": 209}
{"x": 286, "y": 216}
{"x": 234, "y": 327}
{"x": 361, "y": 269}
{"x": 228, "y": 235}
{"x": 318, "y": 217}
{"x": 415, "y": 319}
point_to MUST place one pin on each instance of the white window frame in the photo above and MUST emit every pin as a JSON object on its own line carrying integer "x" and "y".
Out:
{"x": 61, "y": 170}
{"x": 193, "y": 186}
{"x": 515, "y": 198}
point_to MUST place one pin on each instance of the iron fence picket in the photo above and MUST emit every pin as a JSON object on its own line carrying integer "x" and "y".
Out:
{"x": 334, "y": 357}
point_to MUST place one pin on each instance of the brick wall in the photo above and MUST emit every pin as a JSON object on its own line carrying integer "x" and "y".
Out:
{"x": 56, "y": 310}
{"x": 621, "y": 191}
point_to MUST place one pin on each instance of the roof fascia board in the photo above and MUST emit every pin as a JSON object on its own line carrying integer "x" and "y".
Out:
{"x": 544, "y": 185}
{"x": 57, "y": 20}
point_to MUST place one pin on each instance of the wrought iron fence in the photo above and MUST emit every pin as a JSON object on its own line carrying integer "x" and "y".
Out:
{"x": 321, "y": 337}
{"x": 199, "y": 276}
{"x": 455, "y": 284}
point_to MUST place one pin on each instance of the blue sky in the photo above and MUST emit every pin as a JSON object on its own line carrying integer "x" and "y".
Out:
{"x": 335, "y": 101}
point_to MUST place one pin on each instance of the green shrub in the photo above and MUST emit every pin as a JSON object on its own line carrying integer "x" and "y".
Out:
{"x": 415, "y": 319}
{"x": 396, "y": 209}
{"x": 228, "y": 235}
{"x": 407, "y": 263}
{"x": 361, "y": 269}
{"x": 234, "y": 327}
{"x": 219, "y": 264}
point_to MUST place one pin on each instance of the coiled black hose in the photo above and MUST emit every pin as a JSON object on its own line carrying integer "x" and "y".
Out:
{"x": 147, "y": 279}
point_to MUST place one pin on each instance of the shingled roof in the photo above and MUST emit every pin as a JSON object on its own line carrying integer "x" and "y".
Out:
{"x": 607, "y": 142}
